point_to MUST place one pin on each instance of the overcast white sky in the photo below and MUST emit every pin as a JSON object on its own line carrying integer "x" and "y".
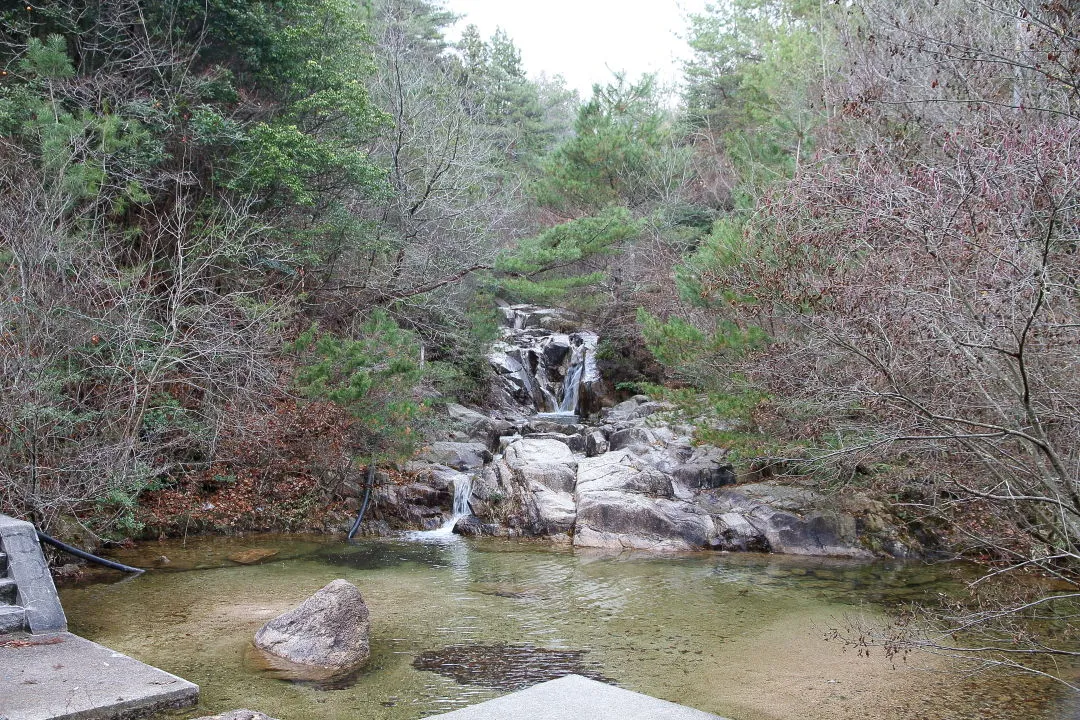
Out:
{"x": 582, "y": 39}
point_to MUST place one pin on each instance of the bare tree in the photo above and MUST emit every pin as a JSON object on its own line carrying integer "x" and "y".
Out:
{"x": 920, "y": 276}
{"x": 115, "y": 375}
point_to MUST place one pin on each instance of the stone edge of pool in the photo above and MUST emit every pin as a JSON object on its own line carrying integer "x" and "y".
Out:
{"x": 574, "y": 696}
{"x": 47, "y": 673}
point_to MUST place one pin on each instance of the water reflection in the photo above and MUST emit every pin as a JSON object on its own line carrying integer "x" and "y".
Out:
{"x": 736, "y": 635}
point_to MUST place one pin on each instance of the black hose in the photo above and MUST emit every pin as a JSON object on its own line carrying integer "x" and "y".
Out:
{"x": 85, "y": 555}
{"x": 367, "y": 496}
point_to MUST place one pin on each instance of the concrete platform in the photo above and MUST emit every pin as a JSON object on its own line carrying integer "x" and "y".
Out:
{"x": 65, "y": 677}
{"x": 576, "y": 698}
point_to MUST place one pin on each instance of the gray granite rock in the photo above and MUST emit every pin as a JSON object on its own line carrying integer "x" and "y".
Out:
{"x": 456, "y": 455}
{"x": 329, "y": 629}
{"x": 531, "y": 452}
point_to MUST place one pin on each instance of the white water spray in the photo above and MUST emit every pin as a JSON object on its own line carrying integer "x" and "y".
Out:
{"x": 462, "y": 492}
{"x": 572, "y": 384}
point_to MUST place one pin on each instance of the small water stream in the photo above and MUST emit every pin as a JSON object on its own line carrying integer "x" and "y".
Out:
{"x": 445, "y": 533}
{"x": 737, "y": 635}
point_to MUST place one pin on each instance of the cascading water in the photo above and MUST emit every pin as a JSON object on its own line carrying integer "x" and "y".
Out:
{"x": 544, "y": 366}
{"x": 572, "y": 383}
{"x": 462, "y": 492}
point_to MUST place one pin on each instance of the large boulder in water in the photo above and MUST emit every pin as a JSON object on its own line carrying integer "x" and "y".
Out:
{"x": 622, "y": 520}
{"x": 329, "y": 629}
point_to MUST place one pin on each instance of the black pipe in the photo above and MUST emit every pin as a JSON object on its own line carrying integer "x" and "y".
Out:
{"x": 367, "y": 496}
{"x": 87, "y": 556}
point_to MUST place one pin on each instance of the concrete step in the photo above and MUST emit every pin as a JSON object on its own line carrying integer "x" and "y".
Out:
{"x": 12, "y": 619}
{"x": 8, "y": 591}
{"x": 61, "y": 676}
{"x": 572, "y": 698}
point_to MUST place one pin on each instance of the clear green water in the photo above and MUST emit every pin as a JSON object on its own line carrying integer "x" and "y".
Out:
{"x": 737, "y": 635}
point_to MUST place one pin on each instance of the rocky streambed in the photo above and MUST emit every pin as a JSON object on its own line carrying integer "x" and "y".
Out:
{"x": 559, "y": 458}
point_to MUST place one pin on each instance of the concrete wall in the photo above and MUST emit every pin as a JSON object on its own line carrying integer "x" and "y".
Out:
{"x": 35, "y": 591}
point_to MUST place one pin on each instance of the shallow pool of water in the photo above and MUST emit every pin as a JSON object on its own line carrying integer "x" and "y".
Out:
{"x": 736, "y": 635}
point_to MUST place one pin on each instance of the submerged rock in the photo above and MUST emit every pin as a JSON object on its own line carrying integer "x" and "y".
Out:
{"x": 238, "y": 715}
{"x": 506, "y": 667}
{"x": 252, "y": 556}
{"x": 330, "y": 629}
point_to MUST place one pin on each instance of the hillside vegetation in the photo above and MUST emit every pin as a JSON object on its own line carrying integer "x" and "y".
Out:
{"x": 852, "y": 235}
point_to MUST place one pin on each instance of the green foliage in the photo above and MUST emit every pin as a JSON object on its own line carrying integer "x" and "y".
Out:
{"x": 501, "y": 96}
{"x": 286, "y": 163}
{"x": 47, "y": 60}
{"x": 373, "y": 376}
{"x": 680, "y": 345}
{"x": 724, "y": 249}
{"x": 755, "y": 81}
{"x": 619, "y": 136}
{"x": 720, "y": 418}
{"x": 542, "y": 268}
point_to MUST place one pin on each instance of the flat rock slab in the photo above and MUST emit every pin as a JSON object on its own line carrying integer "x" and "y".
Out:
{"x": 64, "y": 676}
{"x": 576, "y": 698}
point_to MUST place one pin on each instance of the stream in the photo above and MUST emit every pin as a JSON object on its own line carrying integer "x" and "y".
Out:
{"x": 456, "y": 621}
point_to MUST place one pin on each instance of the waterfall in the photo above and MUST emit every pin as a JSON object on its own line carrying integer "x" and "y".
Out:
{"x": 572, "y": 383}
{"x": 543, "y": 366}
{"x": 462, "y": 492}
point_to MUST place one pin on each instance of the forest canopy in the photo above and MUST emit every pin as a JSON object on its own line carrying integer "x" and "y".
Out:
{"x": 852, "y": 231}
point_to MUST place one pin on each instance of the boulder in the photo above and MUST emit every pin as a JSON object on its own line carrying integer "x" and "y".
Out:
{"x": 329, "y": 629}
{"x": 645, "y": 409}
{"x": 619, "y": 413}
{"x": 420, "y": 494}
{"x": 472, "y": 526}
{"x": 695, "y": 468}
{"x": 735, "y": 533}
{"x": 820, "y": 533}
{"x": 556, "y": 349}
{"x": 540, "y": 426}
{"x": 630, "y": 437}
{"x": 575, "y": 442}
{"x": 504, "y": 361}
{"x": 553, "y": 476}
{"x": 548, "y": 497}
{"x": 596, "y": 444}
{"x": 476, "y": 426}
{"x": 707, "y": 467}
{"x": 625, "y": 503}
{"x": 792, "y": 520}
{"x": 457, "y": 455}
{"x": 621, "y": 520}
{"x": 621, "y": 471}
{"x": 547, "y": 511}
{"x": 528, "y": 451}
